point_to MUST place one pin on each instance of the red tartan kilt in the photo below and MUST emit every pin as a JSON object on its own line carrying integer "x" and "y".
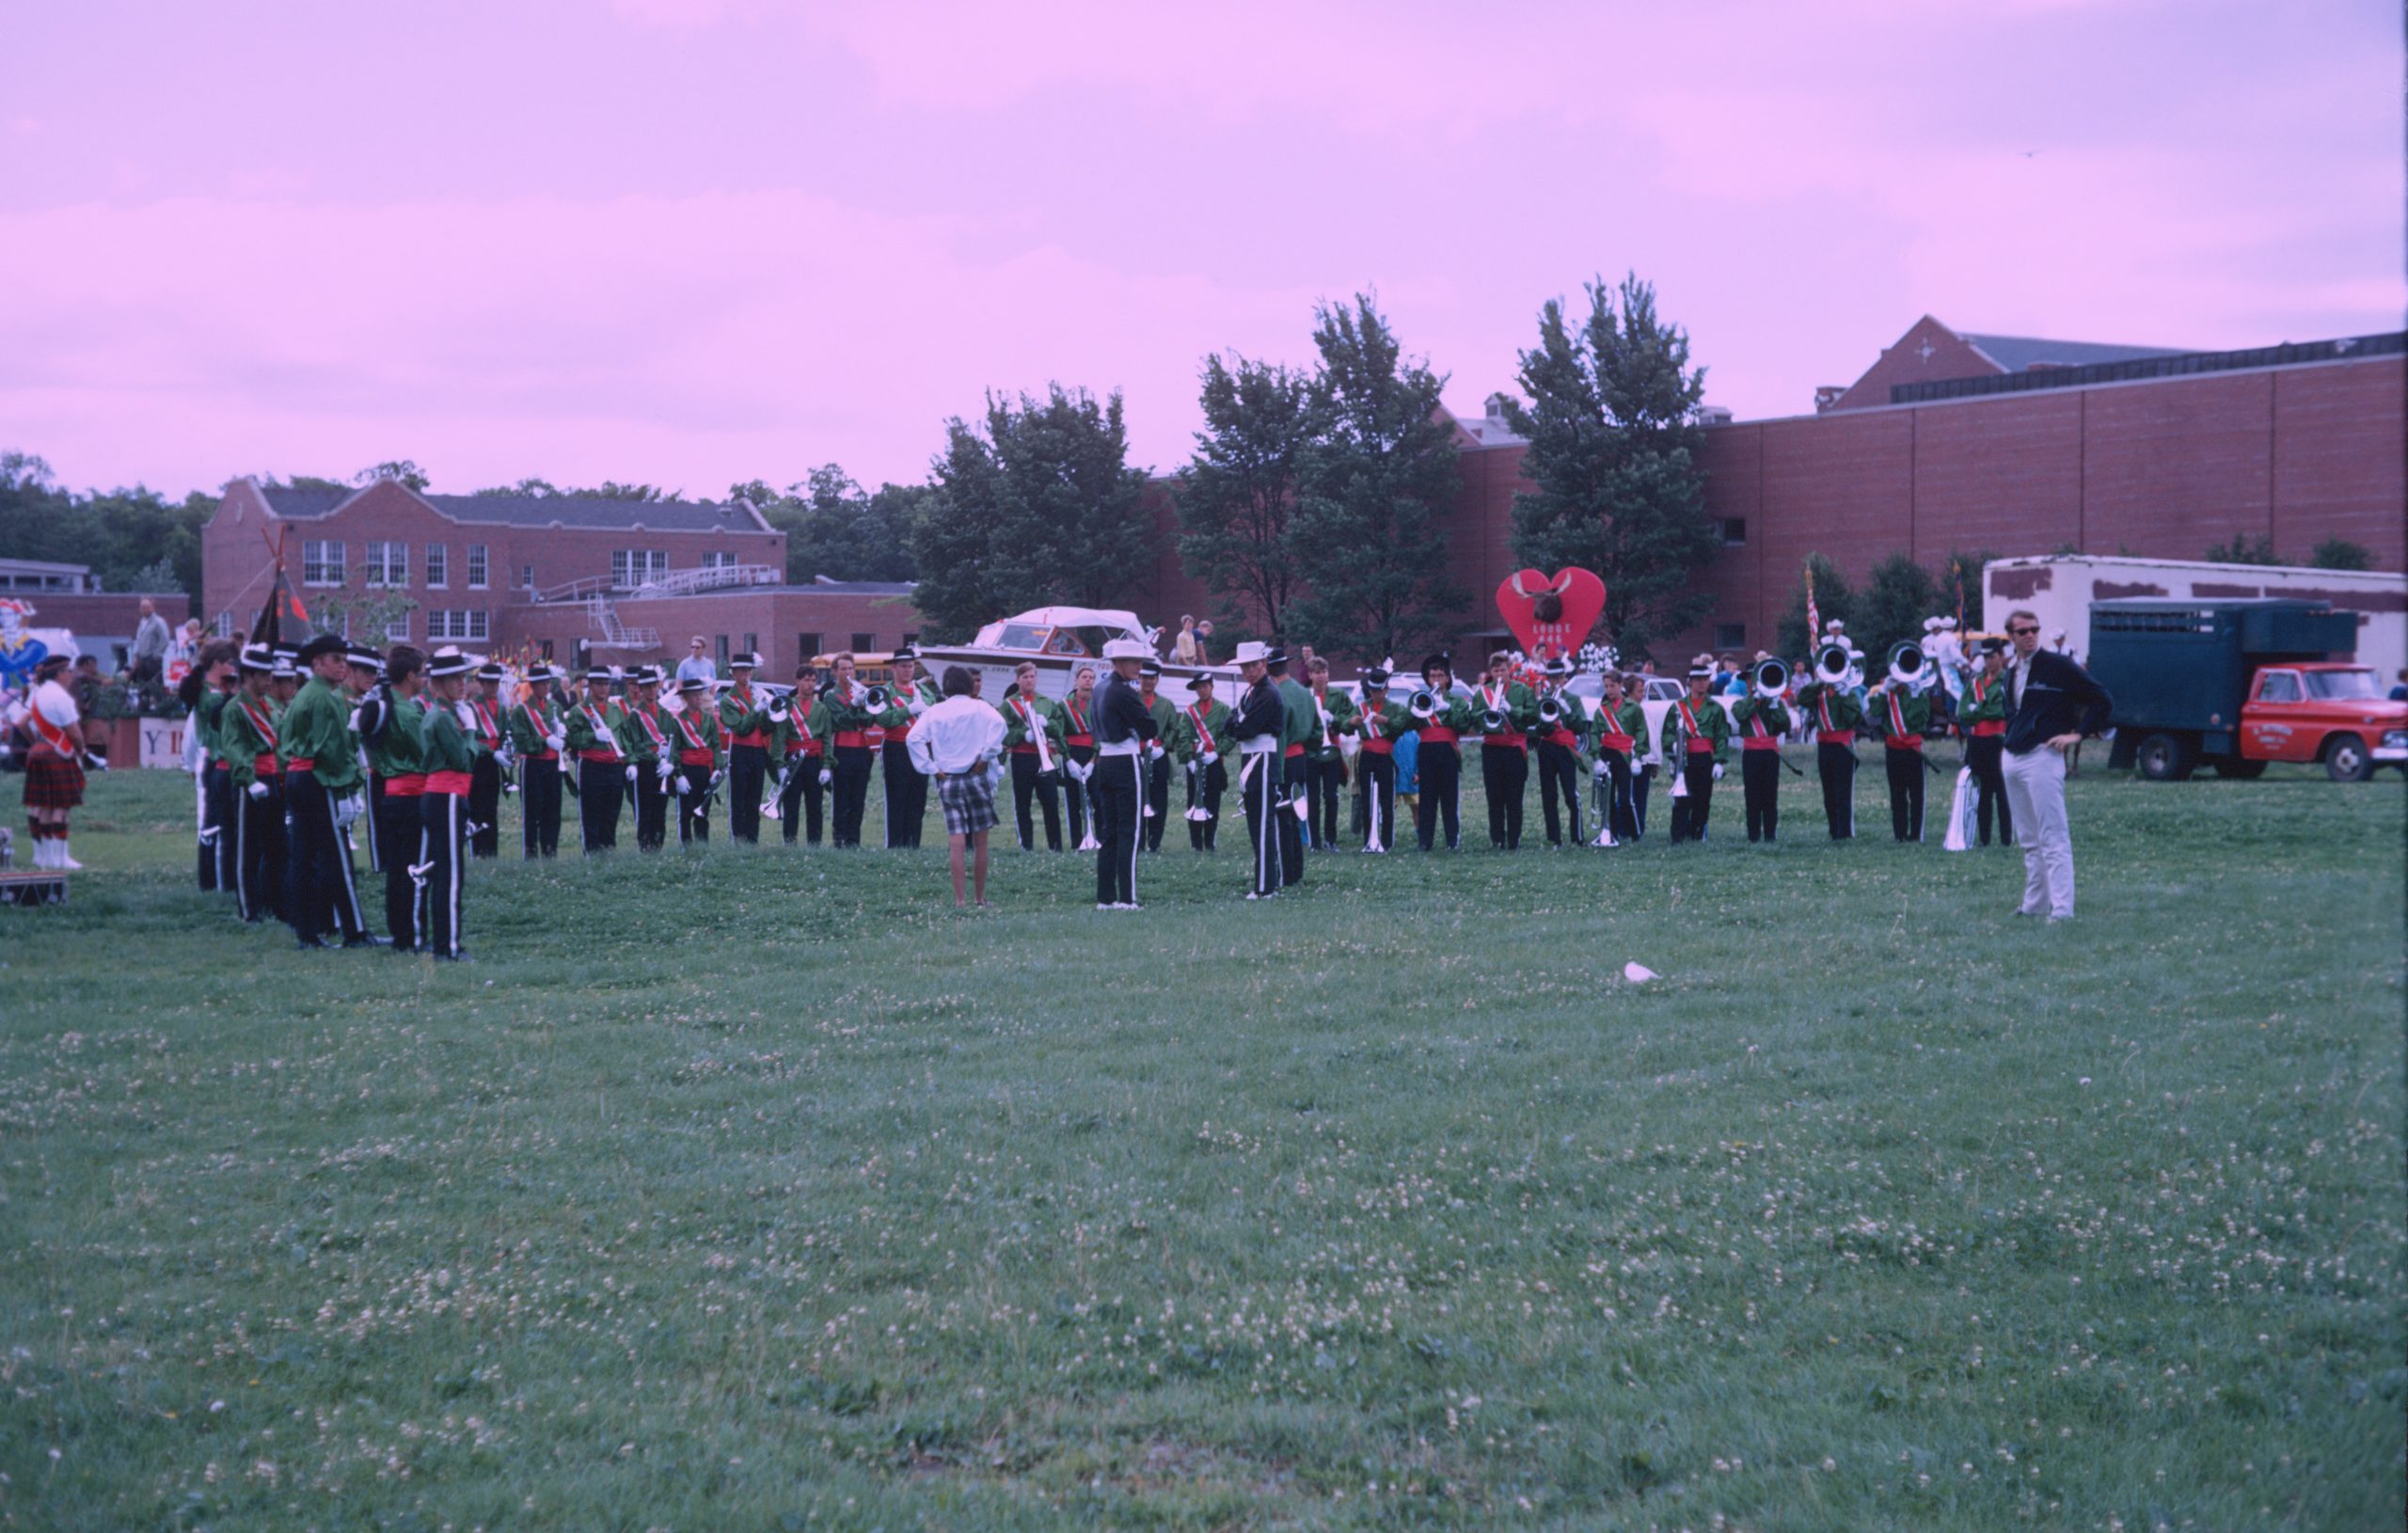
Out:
{"x": 53, "y": 782}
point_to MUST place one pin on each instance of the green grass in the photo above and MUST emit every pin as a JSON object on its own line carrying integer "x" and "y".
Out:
{"x": 756, "y": 1189}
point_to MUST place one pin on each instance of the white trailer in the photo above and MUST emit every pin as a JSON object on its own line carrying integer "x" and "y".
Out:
{"x": 2061, "y": 587}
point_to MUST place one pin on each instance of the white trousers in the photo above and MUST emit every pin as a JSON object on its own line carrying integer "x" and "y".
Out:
{"x": 2035, "y": 793}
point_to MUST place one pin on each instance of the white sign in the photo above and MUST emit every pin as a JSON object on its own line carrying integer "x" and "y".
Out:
{"x": 163, "y": 743}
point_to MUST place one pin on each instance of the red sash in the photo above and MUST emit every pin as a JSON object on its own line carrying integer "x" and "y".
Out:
{"x": 660, "y": 741}
{"x": 488, "y": 725}
{"x": 1203, "y": 733}
{"x": 1509, "y": 735}
{"x": 407, "y": 786}
{"x": 543, "y": 728}
{"x": 1989, "y": 727}
{"x": 451, "y": 784}
{"x": 1759, "y": 738}
{"x": 601, "y": 732}
{"x": 1078, "y": 733}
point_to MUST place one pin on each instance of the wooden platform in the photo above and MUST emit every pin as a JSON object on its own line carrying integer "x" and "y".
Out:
{"x": 33, "y": 885}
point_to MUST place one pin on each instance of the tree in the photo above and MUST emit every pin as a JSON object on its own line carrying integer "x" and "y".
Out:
{"x": 1237, "y": 498}
{"x": 1614, "y": 447}
{"x": 2341, "y": 554}
{"x": 1375, "y": 486}
{"x": 1896, "y": 598}
{"x": 834, "y": 529}
{"x": 401, "y": 470}
{"x": 529, "y": 489}
{"x": 1832, "y": 599}
{"x": 1041, "y": 508}
{"x": 2243, "y": 550}
{"x": 610, "y": 489}
{"x": 127, "y": 537}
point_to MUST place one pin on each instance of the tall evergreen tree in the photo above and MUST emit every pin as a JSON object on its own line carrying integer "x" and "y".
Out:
{"x": 836, "y": 528}
{"x": 1897, "y": 596}
{"x": 1614, "y": 449}
{"x": 1377, "y": 484}
{"x": 1237, "y": 499}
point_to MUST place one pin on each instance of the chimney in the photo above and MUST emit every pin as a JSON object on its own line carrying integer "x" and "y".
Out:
{"x": 1714, "y": 414}
{"x": 1827, "y": 397}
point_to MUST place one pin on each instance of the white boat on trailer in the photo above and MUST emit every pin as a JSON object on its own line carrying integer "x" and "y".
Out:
{"x": 1060, "y": 640}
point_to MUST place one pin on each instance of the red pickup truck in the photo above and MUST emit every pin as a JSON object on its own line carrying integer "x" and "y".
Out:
{"x": 2336, "y": 714}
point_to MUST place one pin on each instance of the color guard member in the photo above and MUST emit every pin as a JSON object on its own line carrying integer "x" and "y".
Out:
{"x": 1200, "y": 737}
{"x": 604, "y": 774}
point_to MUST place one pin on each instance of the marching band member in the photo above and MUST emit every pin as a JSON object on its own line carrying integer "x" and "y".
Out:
{"x": 1324, "y": 759}
{"x": 645, "y": 735}
{"x": 1033, "y": 739}
{"x": 591, "y": 734}
{"x": 448, "y": 754}
{"x": 203, "y": 694}
{"x": 744, "y": 726}
{"x": 1899, "y": 713}
{"x": 54, "y": 764}
{"x": 1078, "y": 755}
{"x": 392, "y": 729}
{"x": 480, "y": 720}
{"x": 322, "y": 784}
{"x": 248, "y": 727}
{"x": 538, "y": 739}
{"x": 1762, "y": 721}
{"x": 285, "y": 683}
{"x": 1504, "y": 761}
{"x": 1984, "y": 718}
{"x": 1615, "y": 735}
{"x": 1299, "y": 729}
{"x": 698, "y": 774}
{"x": 1200, "y": 735}
{"x": 1165, "y": 718}
{"x": 1696, "y": 734}
{"x": 1123, "y": 726}
{"x": 908, "y": 696}
{"x": 802, "y": 736}
{"x": 1261, "y": 716}
{"x": 1559, "y": 749}
{"x": 1438, "y": 761}
{"x": 223, "y": 682}
{"x": 1381, "y": 722}
{"x": 849, "y": 721}
{"x": 1835, "y": 713}
{"x": 363, "y": 672}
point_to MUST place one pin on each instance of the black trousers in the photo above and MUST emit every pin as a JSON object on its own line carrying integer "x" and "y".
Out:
{"x": 1291, "y": 827}
{"x": 907, "y": 795}
{"x": 1439, "y": 766}
{"x": 1026, "y": 782}
{"x": 1375, "y": 799}
{"x": 539, "y": 808}
{"x": 694, "y": 805}
{"x": 652, "y": 807}
{"x": 1079, "y": 797}
{"x": 1560, "y": 778}
{"x": 399, "y": 825}
{"x": 1324, "y": 790}
{"x": 748, "y": 779}
{"x": 852, "y": 794}
{"x": 1835, "y": 765}
{"x": 1157, "y": 799}
{"x": 1504, "y": 770}
{"x": 324, "y": 896}
{"x": 1261, "y": 786}
{"x": 259, "y": 854}
{"x": 1906, "y": 773}
{"x": 1691, "y": 811}
{"x": 1985, "y": 754}
{"x": 224, "y": 816}
{"x": 601, "y": 790}
{"x": 1205, "y": 785}
{"x": 1641, "y": 780}
{"x": 443, "y": 852}
{"x": 1759, "y": 786}
{"x": 484, "y": 807}
{"x": 1614, "y": 808}
{"x": 376, "y": 818}
{"x": 1119, "y": 790}
{"x": 801, "y": 795}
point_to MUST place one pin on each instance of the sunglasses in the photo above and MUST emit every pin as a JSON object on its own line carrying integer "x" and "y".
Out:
{"x": 2024, "y": 630}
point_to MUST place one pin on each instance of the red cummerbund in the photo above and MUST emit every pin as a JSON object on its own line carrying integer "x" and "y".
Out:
{"x": 851, "y": 739}
{"x": 606, "y": 757}
{"x": 545, "y": 756}
{"x": 407, "y": 786}
{"x": 1761, "y": 742}
{"x": 1700, "y": 747}
{"x": 803, "y": 744}
{"x": 1905, "y": 742}
{"x": 1380, "y": 747}
{"x": 757, "y": 739}
{"x": 302, "y": 763}
{"x": 1989, "y": 727}
{"x": 1615, "y": 742}
{"x": 1836, "y": 736}
{"x": 264, "y": 766}
{"x": 1023, "y": 751}
{"x": 1293, "y": 751}
{"x": 1565, "y": 739}
{"x": 897, "y": 734}
{"x": 1083, "y": 741}
{"x": 695, "y": 758}
{"x": 1437, "y": 735}
{"x": 1508, "y": 740}
{"x": 444, "y": 783}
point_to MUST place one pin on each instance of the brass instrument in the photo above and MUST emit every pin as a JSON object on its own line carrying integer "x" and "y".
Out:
{"x": 1770, "y": 680}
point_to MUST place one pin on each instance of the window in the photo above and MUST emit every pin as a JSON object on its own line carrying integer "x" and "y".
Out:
{"x": 526, "y": 576}
{"x": 321, "y": 563}
{"x": 468, "y": 623}
{"x": 439, "y": 565}
{"x": 476, "y": 622}
{"x": 385, "y": 564}
{"x": 1730, "y": 636}
{"x": 397, "y": 630}
{"x": 720, "y": 649}
{"x": 632, "y": 567}
{"x": 546, "y": 648}
{"x": 718, "y": 562}
{"x": 1734, "y": 532}
{"x": 862, "y": 643}
{"x": 751, "y": 643}
{"x": 476, "y": 566}
{"x": 806, "y": 646}
{"x": 911, "y": 640}
{"x": 225, "y": 625}
{"x": 2281, "y": 687}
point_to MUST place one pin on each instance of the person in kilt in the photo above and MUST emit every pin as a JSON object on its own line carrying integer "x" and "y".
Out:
{"x": 54, "y": 768}
{"x": 959, "y": 743}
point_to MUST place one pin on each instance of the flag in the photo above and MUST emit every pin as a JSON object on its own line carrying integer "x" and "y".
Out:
{"x": 1813, "y": 618}
{"x": 283, "y": 606}
{"x": 1956, "y": 573}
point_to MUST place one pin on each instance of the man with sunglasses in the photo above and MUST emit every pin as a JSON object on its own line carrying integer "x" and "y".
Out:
{"x": 2052, "y": 704}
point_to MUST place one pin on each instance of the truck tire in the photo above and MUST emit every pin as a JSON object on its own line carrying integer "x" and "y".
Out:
{"x": 2241, "y": 769}
{"x": 2346, "y": 759}
{"x": 2164, "y": 758}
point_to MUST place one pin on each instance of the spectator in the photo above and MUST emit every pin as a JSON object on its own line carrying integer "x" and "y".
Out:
{"x": 2400, "y": 689}
{"x": 697, "y": 666}
{"x": 960, "y": 742}
{"x": 1204, "y": 642}
{"x": 149, "y": 645}
{"x": 1183, "y": 649}
{"x": 86, "y": 683}
{"x": 187, "y": 643}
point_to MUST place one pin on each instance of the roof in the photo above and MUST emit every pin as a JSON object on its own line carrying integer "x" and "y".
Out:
{"x": 2019, "y": 353}
{"x": 41, "y": 567}
{"x": 292, "y": 505}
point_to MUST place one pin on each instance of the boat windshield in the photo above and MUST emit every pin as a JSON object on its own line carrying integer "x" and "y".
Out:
{"x": 1066, "y": 641}
{"x": 1026, "y": 636}
{"x": 2342, "y": 685}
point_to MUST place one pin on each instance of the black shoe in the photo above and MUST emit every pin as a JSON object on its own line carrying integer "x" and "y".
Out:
{"x": 364, "y": 940}
{"x": 309, "y": 942}
{"x": 454, "y": 957}
{"x": 398, "y": 948}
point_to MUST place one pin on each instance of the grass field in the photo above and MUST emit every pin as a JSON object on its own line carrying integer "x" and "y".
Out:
{"x": 756, "y": 1189}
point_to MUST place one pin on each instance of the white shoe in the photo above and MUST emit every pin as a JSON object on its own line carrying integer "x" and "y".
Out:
{"x": 68, "y": 864}
{"x": 42, "y": 853}
{"x": 1101, "y": 907}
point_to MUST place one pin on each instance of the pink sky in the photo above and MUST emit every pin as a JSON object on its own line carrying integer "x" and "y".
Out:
{"x": 694, "y": 242}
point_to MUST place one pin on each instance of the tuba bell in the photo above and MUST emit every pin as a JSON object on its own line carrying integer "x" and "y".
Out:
{"x": 1770, "y": 680}
{"x": 1550, "y": 711}
{"x": 1908, "y": 666}
{"x": 876, "y": 699}
{"x": 1423, "y": 703}
{"x": 1832, "y": 663}
{"x": 1492, "y": 721}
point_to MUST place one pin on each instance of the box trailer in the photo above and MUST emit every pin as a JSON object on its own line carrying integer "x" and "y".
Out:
{"x": 2062, "y": 586}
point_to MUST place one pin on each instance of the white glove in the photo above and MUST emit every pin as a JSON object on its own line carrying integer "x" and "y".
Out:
{"x": 631, "y": 774}
{"x": 666, "y": 773}
{"x": 675, "y": 783}
{"x": 716, "y": 775}
{"x": 555, "y": 742}
{"x": 1600, "y": 769}
{"x": 826, "y": 776}
{"x": 258, "y": 789}
{"x": 1155, "y": 750}
{"x": 1717, "y": 771}
{"x": 1209, "y": 757}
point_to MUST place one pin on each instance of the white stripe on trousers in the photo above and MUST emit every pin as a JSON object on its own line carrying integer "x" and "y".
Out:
{"x": 343, "y": 860}
{"x": 1266, "y": 846}
{"x": 450, "y": 896}
{"x": 1137, "y": 825}
{"x": 242, "y": 857}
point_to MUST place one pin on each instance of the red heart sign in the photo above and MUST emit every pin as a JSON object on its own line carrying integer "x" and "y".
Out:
{"x": 1551, "y": 615}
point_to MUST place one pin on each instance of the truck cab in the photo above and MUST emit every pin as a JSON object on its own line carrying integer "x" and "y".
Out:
{"x": 2326, "y": 712}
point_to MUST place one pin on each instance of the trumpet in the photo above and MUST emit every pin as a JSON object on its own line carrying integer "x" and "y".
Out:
{"x": 1423, "y": 703}
{"x": 876, "y": 699}
{"x": 1492, "y": 721}
{"x": 1550, "y": 711}
{"x": 1770, "y": 680}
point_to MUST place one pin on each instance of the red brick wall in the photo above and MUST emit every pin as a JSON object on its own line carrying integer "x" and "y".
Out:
{"x": 1902, "y": 363}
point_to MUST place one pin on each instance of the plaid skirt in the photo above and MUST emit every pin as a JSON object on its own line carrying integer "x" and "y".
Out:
{"x": 53, "y": 781}
{"x": 969, "y": 801}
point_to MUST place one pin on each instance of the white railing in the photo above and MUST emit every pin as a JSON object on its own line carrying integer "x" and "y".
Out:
{"x": 708, "y": 578}
{"x": 617, "y": 635}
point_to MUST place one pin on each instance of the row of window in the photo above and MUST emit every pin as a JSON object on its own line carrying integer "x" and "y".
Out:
{"x": 386, "y": 566}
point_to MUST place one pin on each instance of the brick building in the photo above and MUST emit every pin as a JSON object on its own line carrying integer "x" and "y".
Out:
{"x": 1953, "y": 442}
{"x": 558, "y": 577}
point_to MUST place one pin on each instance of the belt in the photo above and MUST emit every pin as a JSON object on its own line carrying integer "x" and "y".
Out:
{"x": 607, "y": 758}
{"x": 1989, "y": 727}
{"x": 1905, "y": 742}
{"x": 1437, "y": 735}
{"x": 1023, "y": 751}
{"x": 802, "y": 747}
{"x": 1380, "y": 747}
{"x": 1835, "y": 736}
{"x": 756, "y": 739}
{"x": 1701, "y": 748}
{"x": 543, "y": 756}
{"x": 407, "y": 786}
{"x": 302, "y": 763}
{"x": 445, "y": 784}
{"x": 1117, "y": 748}
{"x": 851, "y": 739}
{"x": 1760, "y": 742}
{"x": 1294, "y": 751}
{"x": 1509, "y": 740}
{"x": 264, "y": 766}
{"x": 1565, "y": 739}
{"x": 696, "y": 758}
